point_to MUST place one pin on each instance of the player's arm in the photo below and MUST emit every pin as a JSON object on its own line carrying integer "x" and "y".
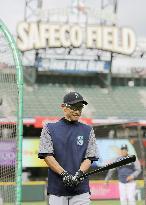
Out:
{"x": 109, "y": 174}
{"x": 85, "y": 165}
{"x": 67, "y": 178}
{"x": 137, "y": 169}
{"x": 46, "y": 151}
{"x": 53, "y": 164}
{"x": 92, "y": 152}
{"x": 136, "y": 172}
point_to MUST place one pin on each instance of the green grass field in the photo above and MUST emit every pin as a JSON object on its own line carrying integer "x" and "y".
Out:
{"x": 113, "y": 202}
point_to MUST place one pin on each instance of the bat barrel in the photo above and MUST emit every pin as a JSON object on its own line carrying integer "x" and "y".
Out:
{"x": 119, "y": 163}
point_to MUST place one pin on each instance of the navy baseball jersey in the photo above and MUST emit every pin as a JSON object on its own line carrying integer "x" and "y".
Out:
{"x": 70, "y": 143}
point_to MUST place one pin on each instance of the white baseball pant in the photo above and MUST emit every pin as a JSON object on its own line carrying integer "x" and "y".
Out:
{"x": 81, "y": 199}
{"x": 127, "y": 193}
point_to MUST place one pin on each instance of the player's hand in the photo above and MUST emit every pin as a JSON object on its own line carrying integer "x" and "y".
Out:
{"x": 129, "y": 178}
{"x": 68, "y": 179}
{"x": 77, "y": 177}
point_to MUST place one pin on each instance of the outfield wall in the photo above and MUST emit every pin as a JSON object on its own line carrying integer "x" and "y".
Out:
{"x": 36, "y": 190}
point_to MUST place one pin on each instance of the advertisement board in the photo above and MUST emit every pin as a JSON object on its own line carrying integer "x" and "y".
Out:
{"x": 7, "y": 152}
{"x": 99, "y": 190}
{"x": 108, "y": 150}
{"x": 30, "y": 154}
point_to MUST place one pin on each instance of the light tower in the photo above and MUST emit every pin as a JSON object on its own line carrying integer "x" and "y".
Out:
{"x": 31, "y": 13}
{"x": 87, "y": 11}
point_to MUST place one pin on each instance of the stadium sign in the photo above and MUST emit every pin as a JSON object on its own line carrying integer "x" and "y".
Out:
{"x": 33, "y": 35}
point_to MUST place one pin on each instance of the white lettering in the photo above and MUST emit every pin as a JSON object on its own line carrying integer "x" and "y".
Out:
{"x": 94, "y": 39}
{"x": 54, "y": 38}
{"x": 76, "y": 36}
{"x": 64, "y": 36}
{"x": 35, "y": 35}
{"x": 22, "y": 40}
{"x": 107, "y": 38}
{"x": 128, "y": 41}
{"x": 44, "y": 35}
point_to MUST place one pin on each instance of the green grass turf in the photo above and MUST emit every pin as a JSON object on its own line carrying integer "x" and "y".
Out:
{"x": 113, "y": 202}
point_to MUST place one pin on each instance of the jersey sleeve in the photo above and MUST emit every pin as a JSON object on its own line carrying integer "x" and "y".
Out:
{"x": 109, "y": 174}
{"x": 46, "y": 144}
{"x": 137, "y": 170}
{"x": 92, "y": 151}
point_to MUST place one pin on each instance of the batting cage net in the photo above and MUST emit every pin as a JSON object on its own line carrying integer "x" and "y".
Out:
{"x": 10, "y": 119}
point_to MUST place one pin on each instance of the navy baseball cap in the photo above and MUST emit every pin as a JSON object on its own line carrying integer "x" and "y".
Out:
{"x": 73, "y": 97}
{"x": 124, "y": 146}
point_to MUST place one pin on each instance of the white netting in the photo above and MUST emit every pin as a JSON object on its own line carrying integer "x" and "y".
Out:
{"x": 8, "y": 128}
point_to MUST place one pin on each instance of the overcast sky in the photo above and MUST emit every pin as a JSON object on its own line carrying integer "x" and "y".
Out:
{"x": 130, "y": 12}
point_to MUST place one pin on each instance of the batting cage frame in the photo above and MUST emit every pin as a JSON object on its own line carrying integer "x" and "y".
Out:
{"x": 19, "y": 114}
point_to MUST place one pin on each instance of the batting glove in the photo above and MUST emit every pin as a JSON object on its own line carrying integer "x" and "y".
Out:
{"x": 77, "y": 177}
{"x": 68, "y": 179}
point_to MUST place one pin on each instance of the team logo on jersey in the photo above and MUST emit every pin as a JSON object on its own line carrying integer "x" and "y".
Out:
{"x": 80, "y": 140}
{"x": 76, "y": 94}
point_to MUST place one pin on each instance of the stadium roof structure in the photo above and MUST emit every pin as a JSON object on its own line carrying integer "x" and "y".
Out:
{"x": 105, "y": 106}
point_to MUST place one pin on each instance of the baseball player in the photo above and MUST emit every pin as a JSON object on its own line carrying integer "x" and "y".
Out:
{"x": 126, "y": 176}
{"x": 68, "y": 148}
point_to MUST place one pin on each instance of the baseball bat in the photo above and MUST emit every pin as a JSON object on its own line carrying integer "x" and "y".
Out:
{"x": 123, "y": 161}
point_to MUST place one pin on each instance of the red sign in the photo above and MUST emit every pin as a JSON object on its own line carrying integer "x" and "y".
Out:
{"x": 99, "y": 190}
{"x": 144, "y": 142}
{"x": 39, "y": 121}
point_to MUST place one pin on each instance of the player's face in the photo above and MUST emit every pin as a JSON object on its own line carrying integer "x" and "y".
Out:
{"x": 124, "y": 152}
{"x": 73, "y": 112}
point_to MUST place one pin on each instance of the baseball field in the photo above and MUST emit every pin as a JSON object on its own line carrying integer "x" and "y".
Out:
{"x": 112, "y": 202}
